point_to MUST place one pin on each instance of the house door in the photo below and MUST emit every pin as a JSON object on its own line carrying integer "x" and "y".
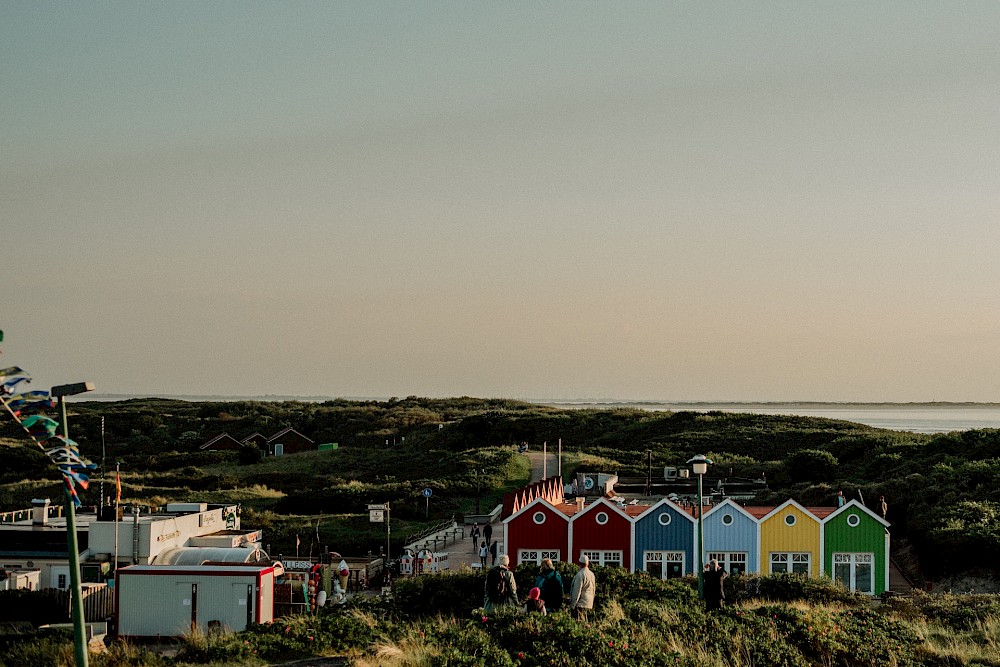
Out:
{"x": 854, "y": 571}
{"x": 279, "y": 449}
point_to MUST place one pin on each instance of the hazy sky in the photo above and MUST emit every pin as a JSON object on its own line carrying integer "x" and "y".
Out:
{"x": 676, "y": 201}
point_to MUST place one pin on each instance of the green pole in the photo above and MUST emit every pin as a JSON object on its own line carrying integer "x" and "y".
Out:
{"x": 79, "y": 637}
{"x": 701, "y": 546}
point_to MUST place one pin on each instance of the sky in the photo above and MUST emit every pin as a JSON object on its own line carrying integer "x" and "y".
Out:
{"x": 551, "y": 200}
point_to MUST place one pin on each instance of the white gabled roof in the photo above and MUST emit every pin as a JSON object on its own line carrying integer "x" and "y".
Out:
{"x": 666, "y": 501}
{"x": 729, "y": 502}
{"x": 854, "y": 503}
{"x": 597, "y": 503}
{"x": 785, "y": 504}
{"x": 534, "y": 502}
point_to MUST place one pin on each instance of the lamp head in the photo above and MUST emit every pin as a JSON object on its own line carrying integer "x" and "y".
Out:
{"x": 71, "y": 389}
{"x": 699, "y": 464}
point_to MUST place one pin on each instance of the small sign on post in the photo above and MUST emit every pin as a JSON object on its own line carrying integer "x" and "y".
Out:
{"x": 376, "y": 513}
{"x": 427, "y": 498}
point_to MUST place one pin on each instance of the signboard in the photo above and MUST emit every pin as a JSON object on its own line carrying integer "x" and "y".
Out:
{"x": 427, "y": 493}
{"x": 379, "y": 506}
{"x": 302, "y": 565}
{"x": 376, "y": 516}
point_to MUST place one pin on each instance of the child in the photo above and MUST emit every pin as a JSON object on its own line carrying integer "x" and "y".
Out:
{"x": 534, "y": 602}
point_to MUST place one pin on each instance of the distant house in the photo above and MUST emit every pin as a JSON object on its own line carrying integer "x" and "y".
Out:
{"x": 285, "y": 441}
{"x": 256, "y": 439}
{"x": 222, "y": 442}
{"x": 288, "y": 441}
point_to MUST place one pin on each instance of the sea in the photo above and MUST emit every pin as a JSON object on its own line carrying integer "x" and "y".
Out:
{"x": 912, "y": 417}
{"x": 937, "y": 417}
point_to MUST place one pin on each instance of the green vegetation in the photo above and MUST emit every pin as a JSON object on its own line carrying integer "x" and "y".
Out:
{"x": 436, "y": 621}
{"x": 943, "y": 491}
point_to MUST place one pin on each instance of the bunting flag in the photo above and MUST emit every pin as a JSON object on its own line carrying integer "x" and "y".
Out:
{"x": 40, "y": 427}
{"x": 118, "y": 487}
{"x": 29, "y": 400}
{"x": 7, "y": 386}
{"x": 12, "y": 372}
{"x": 62, "y": 451}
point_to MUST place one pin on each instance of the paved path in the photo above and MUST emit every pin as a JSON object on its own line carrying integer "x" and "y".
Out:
{"x": 551, "y": 468}
{"x": 463, "y": 553}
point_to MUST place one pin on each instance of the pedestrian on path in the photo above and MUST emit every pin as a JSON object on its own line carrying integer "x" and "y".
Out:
{"x": 493, "y": 552}
{"x": 475, "y": 535}
{"x": 488, "y": 533}
{"x": 484, "y": 551}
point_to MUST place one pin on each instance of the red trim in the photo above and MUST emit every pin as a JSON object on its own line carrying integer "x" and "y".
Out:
{"x": 165, "y": 570}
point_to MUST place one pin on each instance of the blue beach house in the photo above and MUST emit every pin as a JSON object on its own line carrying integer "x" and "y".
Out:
{"x": 664, "y": 541}
{"x": 732, "y": 537}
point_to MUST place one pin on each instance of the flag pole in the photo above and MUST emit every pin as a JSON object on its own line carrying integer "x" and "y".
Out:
{"x": 118, "y": 499}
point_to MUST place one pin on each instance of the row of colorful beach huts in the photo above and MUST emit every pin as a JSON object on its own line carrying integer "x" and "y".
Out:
{"x": 849, "y": 543}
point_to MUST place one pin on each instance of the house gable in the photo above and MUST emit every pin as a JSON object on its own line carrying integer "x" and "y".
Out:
{"x": 538, "y": 525}
{"x": 221, "y": 442}
{"x": 791, "y": 528}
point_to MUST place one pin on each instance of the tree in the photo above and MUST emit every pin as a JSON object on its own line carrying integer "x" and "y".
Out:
{"x": 811, "y": 465}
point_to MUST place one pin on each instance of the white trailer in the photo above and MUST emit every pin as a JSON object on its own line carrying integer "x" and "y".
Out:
{"x": 171, "y": 600}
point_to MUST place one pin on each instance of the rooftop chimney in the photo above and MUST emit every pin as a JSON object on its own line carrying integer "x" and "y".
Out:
{"x": 40, "y": 511}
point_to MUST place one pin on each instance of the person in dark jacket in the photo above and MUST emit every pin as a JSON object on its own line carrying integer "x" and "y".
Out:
{"x": 550, "y": 583}
{"x": 715, "y": 594}
{"x": 488, "y": 533}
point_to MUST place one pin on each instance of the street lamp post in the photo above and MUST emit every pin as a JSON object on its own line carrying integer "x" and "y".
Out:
{"x": 79, "y": 637}
{"x": 699, "y": 466}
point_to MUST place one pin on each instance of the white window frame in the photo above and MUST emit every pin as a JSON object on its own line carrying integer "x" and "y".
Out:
{"x": 606, "y": 557}
{"x": 664, "y": 557}
{"x": 536, "y": 556}
{"x": 786, "y": 561}
{"x": 852, "y": 560}
{"x": 727, "y": 559}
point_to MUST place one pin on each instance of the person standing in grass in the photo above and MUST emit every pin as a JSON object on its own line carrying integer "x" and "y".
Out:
{"x": 501, "y": 589}
{"x": 581, "y": 595}
{"x": 712, "y": 579}
{"x": 534, "y": 604}
{"x": 551, "y": 585}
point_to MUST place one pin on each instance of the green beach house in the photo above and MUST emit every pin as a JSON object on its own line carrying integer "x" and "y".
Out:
{"x": 856, "y": 548}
